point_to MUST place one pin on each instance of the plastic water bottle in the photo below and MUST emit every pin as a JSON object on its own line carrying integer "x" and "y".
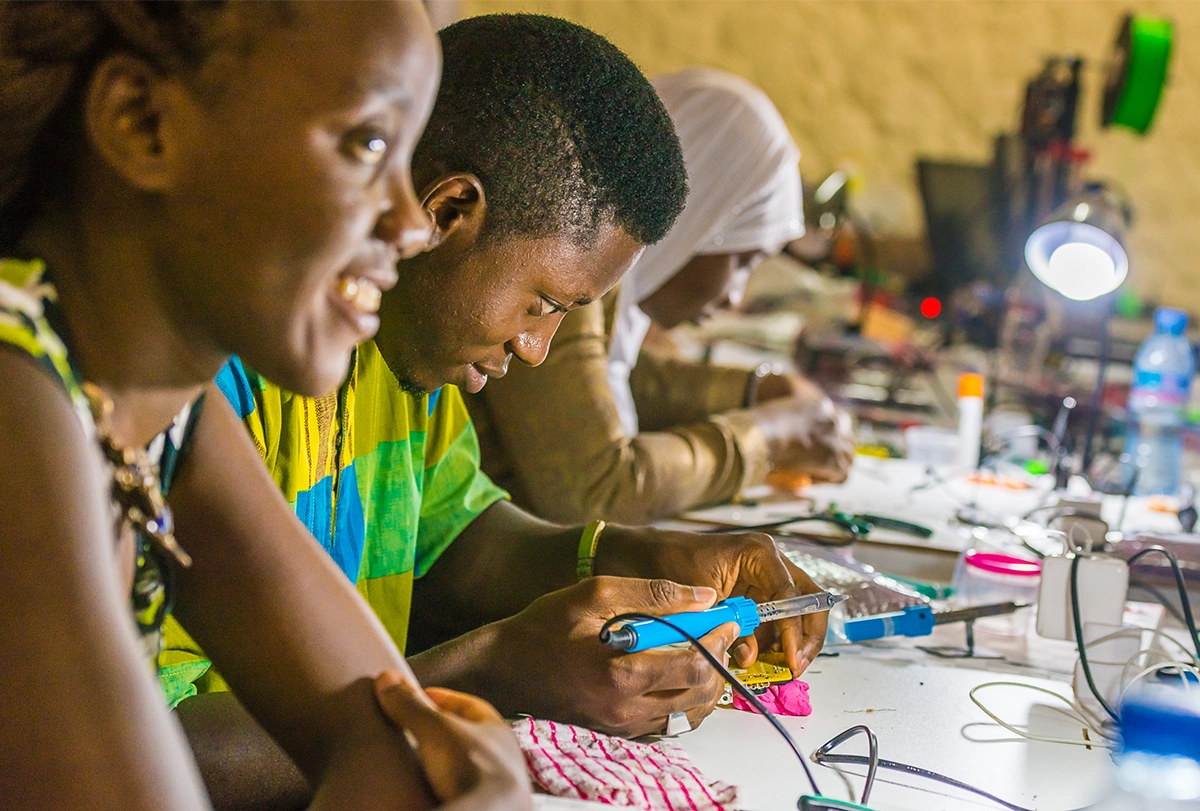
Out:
{"x": 1162, "y": 380}
{"x": 1158, "y": 768}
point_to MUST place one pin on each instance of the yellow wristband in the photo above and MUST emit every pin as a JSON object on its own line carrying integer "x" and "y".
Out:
{"x": 586, "y": 563}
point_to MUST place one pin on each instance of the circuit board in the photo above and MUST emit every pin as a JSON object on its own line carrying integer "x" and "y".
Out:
{"x": 768, "y": 669}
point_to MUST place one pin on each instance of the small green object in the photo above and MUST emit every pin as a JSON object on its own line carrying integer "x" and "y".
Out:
{"x": 934, "y": 591}
{"x": 810, "y": 803}
{"x": 1139, "y": 73}
{"x": 1036, "y": 467}
{"x": 1129, "y": 305}
{"x": 851, "y": 523}
{"x": 896, "y": 525}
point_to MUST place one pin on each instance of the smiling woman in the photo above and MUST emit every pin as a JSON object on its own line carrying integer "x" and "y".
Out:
{"x": 176, "y": 186}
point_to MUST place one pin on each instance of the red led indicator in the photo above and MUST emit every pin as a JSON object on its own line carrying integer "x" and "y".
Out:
{"x": 931, "y": 307}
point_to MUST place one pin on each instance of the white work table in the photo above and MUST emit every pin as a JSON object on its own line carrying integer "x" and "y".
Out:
{"x": 919, "y": 708}
{"x": 917, "y": 704}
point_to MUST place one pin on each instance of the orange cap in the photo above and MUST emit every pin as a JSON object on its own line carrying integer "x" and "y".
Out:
{"x": 970, "y": 385}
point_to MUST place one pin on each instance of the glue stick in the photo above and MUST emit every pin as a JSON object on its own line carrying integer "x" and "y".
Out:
{"x": 970, "y": 419}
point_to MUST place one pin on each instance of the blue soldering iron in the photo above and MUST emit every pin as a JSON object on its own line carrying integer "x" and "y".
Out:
{"x": 644, "y": 634}
{"x": 918, "y": 620}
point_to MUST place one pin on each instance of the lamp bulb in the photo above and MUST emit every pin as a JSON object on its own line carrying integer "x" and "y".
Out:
{"x": 1081, "y": 271}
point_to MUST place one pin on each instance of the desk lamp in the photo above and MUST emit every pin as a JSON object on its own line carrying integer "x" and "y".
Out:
{"x": 1079, "y": 252}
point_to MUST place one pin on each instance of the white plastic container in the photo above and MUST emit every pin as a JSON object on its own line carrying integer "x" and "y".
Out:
{"x": 970, "y": 419}
{"x": 931, "y": 446}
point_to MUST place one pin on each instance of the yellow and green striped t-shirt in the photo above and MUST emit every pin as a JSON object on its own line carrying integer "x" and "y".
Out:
{"x": 383, "y": 479}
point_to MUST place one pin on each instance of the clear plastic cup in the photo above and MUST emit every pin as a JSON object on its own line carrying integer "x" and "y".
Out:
{"x": 983, "y": 578}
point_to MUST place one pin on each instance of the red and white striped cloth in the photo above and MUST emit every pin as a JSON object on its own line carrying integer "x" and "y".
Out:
{"x": 569, "y": 761}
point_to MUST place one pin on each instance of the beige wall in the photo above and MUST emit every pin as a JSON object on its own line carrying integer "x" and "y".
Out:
{"x": 880, "y": 82}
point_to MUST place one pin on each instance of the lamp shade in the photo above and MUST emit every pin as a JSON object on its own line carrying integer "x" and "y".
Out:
{"x": 1078, "y": 250}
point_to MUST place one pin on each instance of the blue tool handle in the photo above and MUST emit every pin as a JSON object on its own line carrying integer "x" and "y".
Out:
{"x": 916, "y": 620}
{"x": 651, "y": 634}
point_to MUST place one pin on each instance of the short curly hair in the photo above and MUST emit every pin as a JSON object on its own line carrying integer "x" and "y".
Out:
{"x": 560, "y": 126}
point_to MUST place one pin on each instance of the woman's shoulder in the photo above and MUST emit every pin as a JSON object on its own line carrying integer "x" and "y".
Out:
{"x": 27, "y": 300}
{"x": 41, "y": 402}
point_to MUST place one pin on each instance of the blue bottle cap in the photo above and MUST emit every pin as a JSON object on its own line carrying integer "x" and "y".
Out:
{"x": 1162, "y": 722}
{"x": 1170, "y": 321}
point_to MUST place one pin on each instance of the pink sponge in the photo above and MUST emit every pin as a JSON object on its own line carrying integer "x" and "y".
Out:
{"x": 789, "y": 698}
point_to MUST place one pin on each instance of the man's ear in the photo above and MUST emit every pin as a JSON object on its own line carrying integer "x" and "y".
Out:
{"x": 454, "y": 203}
{"x": 125, "y": 113}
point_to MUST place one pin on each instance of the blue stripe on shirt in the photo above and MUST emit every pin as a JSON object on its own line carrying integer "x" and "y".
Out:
{"x": 234, "y": 383}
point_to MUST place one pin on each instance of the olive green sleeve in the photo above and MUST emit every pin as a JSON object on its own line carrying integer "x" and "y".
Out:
{"x": 671, "y": 392}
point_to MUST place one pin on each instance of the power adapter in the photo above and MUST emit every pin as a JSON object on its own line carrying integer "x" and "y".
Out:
{"x": 1103, "y": 584}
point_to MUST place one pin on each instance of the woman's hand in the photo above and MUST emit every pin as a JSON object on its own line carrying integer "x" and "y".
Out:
{"x": 470, "y": 757}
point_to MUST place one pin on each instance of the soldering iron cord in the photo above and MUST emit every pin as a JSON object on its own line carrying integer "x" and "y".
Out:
{"x": 729, "y": 677}
{"x": 822, "y": 755}
{"x": 872, "y": 754}
{"x": 861, "y": 760}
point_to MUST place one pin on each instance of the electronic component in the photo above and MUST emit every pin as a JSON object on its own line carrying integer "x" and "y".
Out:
{"x": 1103, "y": 585}
{"x": 767, "y": 669}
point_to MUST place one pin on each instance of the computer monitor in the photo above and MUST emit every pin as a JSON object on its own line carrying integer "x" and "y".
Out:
{"x": 963, "y": 223}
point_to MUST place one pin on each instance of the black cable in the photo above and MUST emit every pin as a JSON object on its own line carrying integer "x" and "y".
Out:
{"x": 1184, "y": 601}
{"x": 1037, "y": 553}
{"x": 1189, "y": 620}
{"x": 872, "y": 754}
{"x": 822, "y": 755}
{"x": 860, "y": 760}
{"x": 729, "y": 677}
{"x": 1096, "y": 409}
{"x": 1083, "y": 661}
{"x": 1162, "y": 599}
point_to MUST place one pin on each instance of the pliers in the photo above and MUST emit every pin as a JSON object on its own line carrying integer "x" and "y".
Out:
{"x": 857, "y": 525}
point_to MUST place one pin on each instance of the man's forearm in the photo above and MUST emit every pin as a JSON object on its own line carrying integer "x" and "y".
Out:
{"x": 242, "y": 766}
{"x": 504, "y": 560}
{"x": 465, "y": 663}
